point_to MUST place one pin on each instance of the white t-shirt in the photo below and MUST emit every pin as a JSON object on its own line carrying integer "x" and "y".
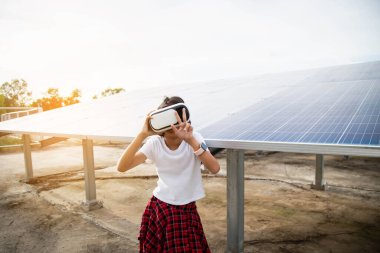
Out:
{"x": 179, "y": 173}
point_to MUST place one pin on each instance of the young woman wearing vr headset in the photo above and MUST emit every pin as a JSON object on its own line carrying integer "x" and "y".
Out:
{"x": 170, "y": 222}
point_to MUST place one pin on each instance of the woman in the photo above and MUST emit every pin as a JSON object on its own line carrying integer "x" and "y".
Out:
{"x": 171, "y": 222}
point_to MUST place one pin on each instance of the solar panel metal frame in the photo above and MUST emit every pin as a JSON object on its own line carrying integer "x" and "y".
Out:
{"x": 327, "y": 149}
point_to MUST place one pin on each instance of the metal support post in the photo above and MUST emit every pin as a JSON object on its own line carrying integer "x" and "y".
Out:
{"x": 89, "y": 177}
{"x": 319, "y": 183}
{"x": 27, "y": 157}
{"x": 235, "y": 201}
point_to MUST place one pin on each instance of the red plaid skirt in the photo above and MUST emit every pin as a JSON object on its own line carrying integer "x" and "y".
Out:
{"x": 171, "y": 228}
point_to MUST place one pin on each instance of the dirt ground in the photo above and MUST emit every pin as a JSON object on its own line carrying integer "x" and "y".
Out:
{"x": 282, "y": 213}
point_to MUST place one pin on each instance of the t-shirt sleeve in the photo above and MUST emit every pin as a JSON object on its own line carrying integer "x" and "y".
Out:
{"x": 148, "y": 148}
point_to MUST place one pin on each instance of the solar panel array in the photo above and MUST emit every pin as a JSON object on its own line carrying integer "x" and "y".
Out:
{"x": 335, "y": 106}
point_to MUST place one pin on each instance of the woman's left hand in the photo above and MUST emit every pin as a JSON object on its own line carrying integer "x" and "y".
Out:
{"x": 183, "y": 130}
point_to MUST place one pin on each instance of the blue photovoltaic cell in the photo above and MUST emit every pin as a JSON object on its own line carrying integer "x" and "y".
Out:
{"x": 335, "y": 106}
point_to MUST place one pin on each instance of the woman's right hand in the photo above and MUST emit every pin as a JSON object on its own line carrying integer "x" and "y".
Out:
{"x": 147, "y": 130}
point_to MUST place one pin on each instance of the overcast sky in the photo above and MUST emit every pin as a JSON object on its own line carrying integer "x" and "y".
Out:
{"x": 94, "y": 44}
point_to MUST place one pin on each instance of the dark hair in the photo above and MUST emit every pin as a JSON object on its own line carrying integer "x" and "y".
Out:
{"x": 168, "y": 101}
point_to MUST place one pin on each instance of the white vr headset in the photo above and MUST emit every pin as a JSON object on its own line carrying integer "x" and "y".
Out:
{"x": 162, "y": 119}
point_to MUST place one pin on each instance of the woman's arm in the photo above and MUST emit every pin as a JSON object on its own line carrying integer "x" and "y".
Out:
{"x": 208, "y": 160}
{"x": 130, "y": 157}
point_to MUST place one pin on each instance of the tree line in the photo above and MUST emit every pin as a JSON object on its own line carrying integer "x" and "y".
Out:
{"x": 16, "y": 94}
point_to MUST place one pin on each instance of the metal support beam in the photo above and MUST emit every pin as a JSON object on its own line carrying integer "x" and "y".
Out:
{"x": 52, "y": 140}
{"x": 89, "y": 177}
{"x": 4, "y": 134}
{"x": 235, "y": 201}
{"x": 27, "y": 157}
{"x": 319, "y": 183}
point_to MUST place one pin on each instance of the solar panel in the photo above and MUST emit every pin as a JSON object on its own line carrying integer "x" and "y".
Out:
{"x": 339, "y": 106}
{"x": 330, "y": 106}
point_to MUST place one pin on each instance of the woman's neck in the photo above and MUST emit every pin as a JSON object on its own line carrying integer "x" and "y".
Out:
{"x": 172, "y": 142}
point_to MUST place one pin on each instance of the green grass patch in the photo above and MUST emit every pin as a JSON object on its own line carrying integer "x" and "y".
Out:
{"x": 6, "y": 140}
{"x": 284, "y": 211}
